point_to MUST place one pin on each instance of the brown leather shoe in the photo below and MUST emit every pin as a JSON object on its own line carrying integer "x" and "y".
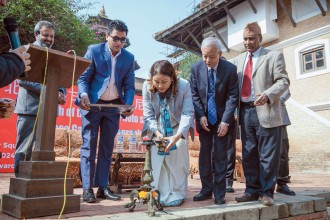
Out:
{"x": 266, "y": 200}
{"x": 247, "y": 197}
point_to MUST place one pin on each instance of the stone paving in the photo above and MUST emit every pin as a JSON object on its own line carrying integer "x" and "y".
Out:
{"x": 313, "y": 197}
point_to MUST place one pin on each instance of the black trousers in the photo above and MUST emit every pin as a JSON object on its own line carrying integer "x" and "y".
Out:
{"x": 213, "y": 178}
{"x": 261, "y": 153}
{"x": 283, "y": 170}
{"x": 231, "y": 154}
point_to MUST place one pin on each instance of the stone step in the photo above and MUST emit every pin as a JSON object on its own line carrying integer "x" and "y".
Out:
{"x": 41, "y": 169}
{"x": 30, "y": 188}
{"x": 41, "y": 206}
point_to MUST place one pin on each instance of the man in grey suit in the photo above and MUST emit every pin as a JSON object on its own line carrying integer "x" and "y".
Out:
{"x": 28, "y": 100}
{"x": 283, "y": 171}
{"x": 214, "y": 88}
{"x": 262, "y": 81}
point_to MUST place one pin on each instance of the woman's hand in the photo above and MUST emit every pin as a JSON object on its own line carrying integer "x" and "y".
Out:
{"x": 159, "y": 136}
{"x": 172, "y": 140}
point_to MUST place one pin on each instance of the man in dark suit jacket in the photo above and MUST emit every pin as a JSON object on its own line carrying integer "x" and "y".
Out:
{"x": 262, "y": 81}
{"x": 28, "y": 100}
{"x": 109, "y": 79}
{"x": 213, "y": 78}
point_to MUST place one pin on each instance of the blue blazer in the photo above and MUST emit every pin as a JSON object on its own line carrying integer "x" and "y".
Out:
{"x": 96, "y": 78}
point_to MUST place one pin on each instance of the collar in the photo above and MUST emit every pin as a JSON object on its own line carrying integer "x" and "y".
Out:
{"x": 257, "y": 52}
{"x": 111, "y": 52}
{"x": 214, "y": 68}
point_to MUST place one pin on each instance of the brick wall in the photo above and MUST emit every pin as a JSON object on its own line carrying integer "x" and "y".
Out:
{"x": 309, "y": 143}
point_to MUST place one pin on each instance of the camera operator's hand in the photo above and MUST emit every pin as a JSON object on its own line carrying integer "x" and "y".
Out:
{"x": 172, "y": 141}
{"x": 7, "y": 107}
{"x": 21, "y": 52}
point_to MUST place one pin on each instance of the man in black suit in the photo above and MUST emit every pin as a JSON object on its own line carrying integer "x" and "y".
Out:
{"x": 214, "y": 88}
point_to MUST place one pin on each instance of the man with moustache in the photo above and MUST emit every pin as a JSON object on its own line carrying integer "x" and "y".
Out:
{"x": 214, "y": 88}
{"x": 262, "y": 81}
{"x": 28, "y": 100}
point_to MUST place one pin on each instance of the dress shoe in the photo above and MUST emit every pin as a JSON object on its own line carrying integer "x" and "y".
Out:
{"x": 284, "y": 189}
{"x": 88, "y": 195}
{"x": 266, "y": 200}
{"x": 247, "y": 197}
{"x": 230, "y": 189}
{"x": 202, "y": 196}
{"x": 287, "y": 179}
{"x": 106, "y": 193}
{"x": 219, "y": 201}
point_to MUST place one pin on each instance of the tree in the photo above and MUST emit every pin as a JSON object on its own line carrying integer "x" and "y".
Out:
{"x": 71, "y": 30}
{"x": 185, "y": 65}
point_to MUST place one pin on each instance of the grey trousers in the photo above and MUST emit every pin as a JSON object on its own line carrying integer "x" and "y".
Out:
{"x": 24, "y": 145}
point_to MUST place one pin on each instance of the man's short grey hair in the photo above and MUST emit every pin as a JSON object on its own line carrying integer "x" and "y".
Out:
{"x": 41, "y": 24}
{"x": 211, "y": 42}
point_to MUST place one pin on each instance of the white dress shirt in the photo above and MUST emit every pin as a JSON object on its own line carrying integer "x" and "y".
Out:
{"x": 111, "y": 91}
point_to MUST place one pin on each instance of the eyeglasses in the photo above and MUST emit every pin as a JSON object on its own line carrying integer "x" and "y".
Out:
{"x": 117, "y": 39}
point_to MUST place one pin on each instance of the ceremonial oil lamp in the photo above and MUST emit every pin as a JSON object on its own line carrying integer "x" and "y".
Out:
{"x": 145, "y": 195}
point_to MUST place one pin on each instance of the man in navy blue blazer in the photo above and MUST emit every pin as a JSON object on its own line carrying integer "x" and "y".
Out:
{"x": 109, "y": 79}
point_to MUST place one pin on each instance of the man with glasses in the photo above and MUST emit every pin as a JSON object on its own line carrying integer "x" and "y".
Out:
{"x": 109, "y": 79}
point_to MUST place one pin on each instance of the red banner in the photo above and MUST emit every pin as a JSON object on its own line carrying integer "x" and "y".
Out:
{"x": 8, "y": 126}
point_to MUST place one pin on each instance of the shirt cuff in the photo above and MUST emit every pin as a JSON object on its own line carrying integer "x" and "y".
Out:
{"x": 225, "y": 123}
{"x": 83, "y": 94}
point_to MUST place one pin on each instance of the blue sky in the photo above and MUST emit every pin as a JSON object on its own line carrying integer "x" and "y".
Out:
{"x": 144, "y": 18}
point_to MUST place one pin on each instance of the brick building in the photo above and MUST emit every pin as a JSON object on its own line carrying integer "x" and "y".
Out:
{"x": 298, "y": 28}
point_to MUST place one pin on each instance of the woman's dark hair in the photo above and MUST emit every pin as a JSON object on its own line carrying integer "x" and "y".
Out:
{"x": 164, "y": 67}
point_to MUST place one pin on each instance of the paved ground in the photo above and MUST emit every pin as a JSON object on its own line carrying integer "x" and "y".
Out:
{"x": 104, "y": 209}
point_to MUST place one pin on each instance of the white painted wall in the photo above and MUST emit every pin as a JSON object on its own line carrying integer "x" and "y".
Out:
{"x": 243, "y": 14}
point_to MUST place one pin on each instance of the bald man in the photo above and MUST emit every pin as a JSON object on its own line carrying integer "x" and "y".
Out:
{"x": 262, "y": 80}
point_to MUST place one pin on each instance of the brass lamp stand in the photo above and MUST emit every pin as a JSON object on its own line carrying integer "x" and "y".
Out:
{"x": 145, "y": 195}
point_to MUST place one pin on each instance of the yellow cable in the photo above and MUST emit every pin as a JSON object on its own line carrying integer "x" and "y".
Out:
{"x": 40, "y": 102}
{"x": 69, "y": 133}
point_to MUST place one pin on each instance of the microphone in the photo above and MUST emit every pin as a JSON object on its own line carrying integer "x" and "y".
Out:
{"x": 11, "y": 28}
{"x": 12, "y": 32}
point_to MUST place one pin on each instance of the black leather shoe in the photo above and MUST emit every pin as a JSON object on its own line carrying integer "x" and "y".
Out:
{"x": 219, "y": 201}
{"x": 106, "y": 193}
{"x": 202, "y": 196}
{"x": 230, "y": 189}
{"x": 247, "y": 197}
{"x": 88, "y": 196}
{"x": 284, "y": 189}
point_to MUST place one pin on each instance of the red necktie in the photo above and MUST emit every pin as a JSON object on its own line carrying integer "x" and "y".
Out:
{"x": 246, "y": 87}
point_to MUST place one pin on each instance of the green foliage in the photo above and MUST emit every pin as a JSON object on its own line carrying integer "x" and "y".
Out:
{"x": 185, "y": 65}
{"x": 71, "y": 30}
